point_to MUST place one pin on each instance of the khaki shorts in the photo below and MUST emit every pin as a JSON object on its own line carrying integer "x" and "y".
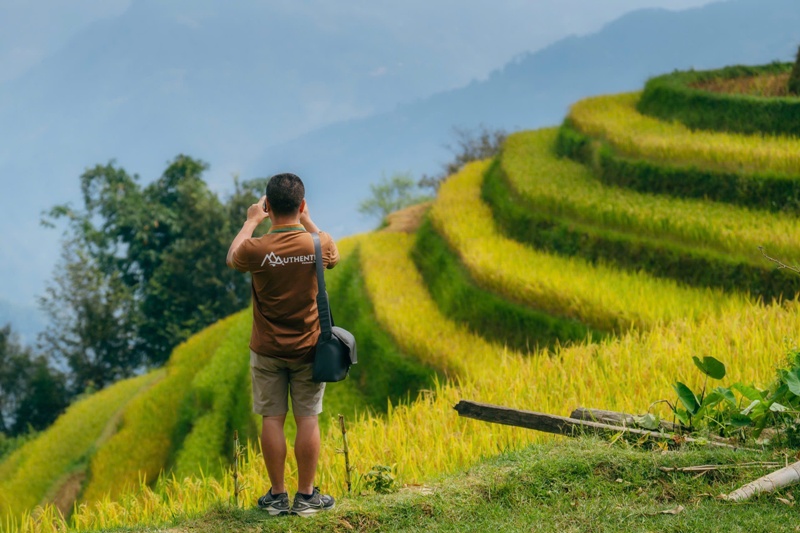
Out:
{"x": 273, "y": 380}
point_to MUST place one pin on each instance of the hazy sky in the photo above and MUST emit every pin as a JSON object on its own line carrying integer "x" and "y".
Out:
{"x": 489, "y": 30}
{"x": 471, "y": 37}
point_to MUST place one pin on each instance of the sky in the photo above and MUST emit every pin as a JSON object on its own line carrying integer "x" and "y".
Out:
{"x": 490, "y": 30}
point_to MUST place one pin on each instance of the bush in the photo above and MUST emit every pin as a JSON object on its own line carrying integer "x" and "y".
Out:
{"x": 673, "y": 97}
{"x": 470, "y": 146}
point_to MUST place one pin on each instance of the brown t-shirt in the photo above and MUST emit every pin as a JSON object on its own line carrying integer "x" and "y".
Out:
{"x": 283, "y": 266}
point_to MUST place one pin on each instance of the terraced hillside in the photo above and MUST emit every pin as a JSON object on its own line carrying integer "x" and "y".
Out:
{"x": 583, "y": 266}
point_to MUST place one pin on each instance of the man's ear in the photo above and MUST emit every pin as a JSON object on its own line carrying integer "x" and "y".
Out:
{"x": 302, "y": 206}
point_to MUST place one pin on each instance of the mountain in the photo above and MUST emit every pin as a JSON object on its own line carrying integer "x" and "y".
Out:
{"x": 221, "y": 82}
{"x": 532, "y": 91}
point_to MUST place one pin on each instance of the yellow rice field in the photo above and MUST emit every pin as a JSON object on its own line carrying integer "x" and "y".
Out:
{"x": 601, "y": 296}
{"x": 40, "y": 466}
{"x": 562, "y": 187}
{"x": 426, "y": 438}
{"x": 615, "y": 119}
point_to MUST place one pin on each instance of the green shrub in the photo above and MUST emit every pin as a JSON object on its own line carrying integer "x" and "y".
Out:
{"x": 672, "y": 97}
{"x": 485, "y": 313}
{"x": 769, "y": 191}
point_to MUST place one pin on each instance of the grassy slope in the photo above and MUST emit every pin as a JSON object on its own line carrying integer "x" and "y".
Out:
{"x": 35, "y": 469}
{"x": 599, "y": 296}
{"x": 486, "y": 314}
{"x": 561, "y": 187}
{"x": 566, "y": 485}
{"x": 579, "y": 486}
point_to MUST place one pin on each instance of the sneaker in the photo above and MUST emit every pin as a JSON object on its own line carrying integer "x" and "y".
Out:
{"x": 274, "y": 504}
{"x": 316, "y": 503}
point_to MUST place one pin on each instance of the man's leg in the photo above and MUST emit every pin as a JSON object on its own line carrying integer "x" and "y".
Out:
{"x": 273, "y": 446}
{"x": 306, "y": 451}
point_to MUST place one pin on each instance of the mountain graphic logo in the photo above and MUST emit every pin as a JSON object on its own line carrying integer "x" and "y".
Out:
{"x": 274, "y": 260}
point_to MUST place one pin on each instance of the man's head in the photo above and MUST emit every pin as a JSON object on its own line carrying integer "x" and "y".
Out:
{"x": 285, "y": 193}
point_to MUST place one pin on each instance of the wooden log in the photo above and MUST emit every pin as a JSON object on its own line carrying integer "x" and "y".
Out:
{"x": 616, "y": 418}
{"x": 780, "y": 478}
{"x": 560, "y": 425}
{"x": 613, "y": 418}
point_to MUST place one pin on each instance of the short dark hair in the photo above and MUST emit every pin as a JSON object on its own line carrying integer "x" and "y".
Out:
{"x": 284, "y": 193}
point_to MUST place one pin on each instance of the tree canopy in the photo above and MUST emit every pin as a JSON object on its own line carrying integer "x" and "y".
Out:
{"x": 142, "y": 269}
{"x": 390, "y": 195}
{"x": 32, "y": 394}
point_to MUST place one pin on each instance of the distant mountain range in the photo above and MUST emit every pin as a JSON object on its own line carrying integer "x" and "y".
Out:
{"x": 530, "y": 92}
{"x": 101, "y": 97}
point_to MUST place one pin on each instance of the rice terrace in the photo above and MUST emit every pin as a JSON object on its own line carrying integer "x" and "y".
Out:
{"x": 617, "y": 262}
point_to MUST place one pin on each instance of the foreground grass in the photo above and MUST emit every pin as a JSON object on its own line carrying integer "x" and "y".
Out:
{"x": 566, "y": 485}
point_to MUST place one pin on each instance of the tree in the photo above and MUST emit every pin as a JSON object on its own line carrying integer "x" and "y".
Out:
{"x": 794, "y": 77}
{"x": 93, "y": 320}
{"x": 32, "y": 394}
{"x": 142, "y": 269}
{"x": 390, "y": 195}
{"x": 470, "y": 146}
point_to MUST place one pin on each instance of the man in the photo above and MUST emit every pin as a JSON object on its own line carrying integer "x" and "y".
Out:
{"x": 284, "y": 336}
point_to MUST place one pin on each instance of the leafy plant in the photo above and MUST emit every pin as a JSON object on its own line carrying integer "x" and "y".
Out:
{"x": 711, "y": 408}
{"x": 776, "y": 407}
{"x": 381, "y": 479}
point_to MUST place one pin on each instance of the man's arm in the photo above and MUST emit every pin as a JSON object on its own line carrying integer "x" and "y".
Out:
{"x": 255, "y": 216}
{"x": 305, "y": 220}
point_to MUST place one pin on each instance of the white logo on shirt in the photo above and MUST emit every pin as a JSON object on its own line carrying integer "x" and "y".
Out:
{"x": 276, "y": 260}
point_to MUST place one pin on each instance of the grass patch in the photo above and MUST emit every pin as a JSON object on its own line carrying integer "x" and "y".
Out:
{"x": 601, "y": 296}
{"x": 759, "y": 85}
{"x": 567, "y": 485}
{"x": 37, "y": 466}
{"x": 562, "y": 188}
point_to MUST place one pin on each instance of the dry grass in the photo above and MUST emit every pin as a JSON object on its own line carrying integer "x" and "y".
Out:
{"x": 407, "y": 220}
{"x": 768, "y": 85}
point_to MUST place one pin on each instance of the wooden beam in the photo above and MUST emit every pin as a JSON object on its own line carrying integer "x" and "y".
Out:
{"x": 560, "y": 425}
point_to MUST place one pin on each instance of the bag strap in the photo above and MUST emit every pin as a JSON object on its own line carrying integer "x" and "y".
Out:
{"x": 323, "y": 307}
